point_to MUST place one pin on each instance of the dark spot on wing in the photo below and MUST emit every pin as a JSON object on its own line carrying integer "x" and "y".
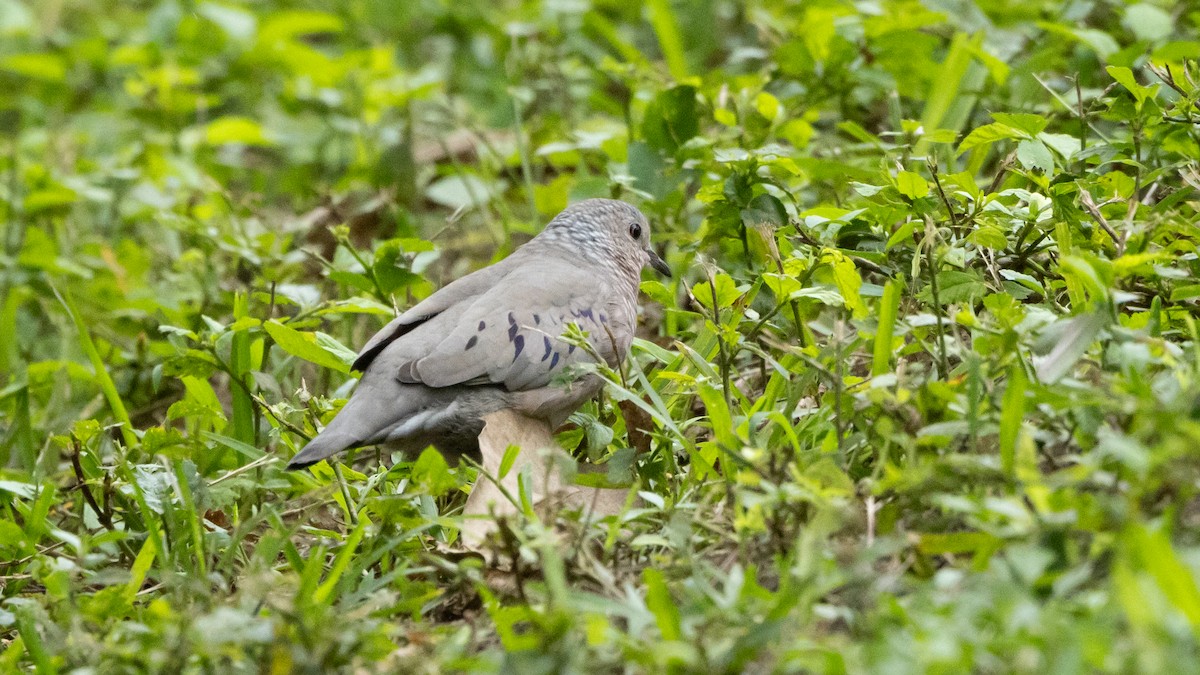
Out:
{"x": 519, "y": 344}
{"x": 603, "y": 319}
{"x": 554, "y": 361}
{"x": 512, "y": 320}
{"x": 546, "y": 341}
{"x": 512, "y": 332}
{"x": 482, "y": 325}
{"x": 537, "y": 319}
{"x": 471, "y": 343}
{"x": 570, "y": 350}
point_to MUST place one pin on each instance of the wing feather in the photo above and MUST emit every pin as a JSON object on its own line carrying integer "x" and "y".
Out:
{"x": 510, "y": 335}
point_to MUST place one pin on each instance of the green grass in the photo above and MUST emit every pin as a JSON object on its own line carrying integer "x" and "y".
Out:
{"x": 923, "y": 395}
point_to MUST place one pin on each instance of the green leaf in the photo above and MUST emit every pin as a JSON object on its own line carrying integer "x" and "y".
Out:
{"x": 391, "y": 267}
{"x": 37, "y": 66}
{"x": 1174, "y": 578}
{"x": 506, "y": 462}
{"x": 847, "y": 280}
{"x": 1035, "y": 155}
{"x": 1072, "y": 342}
{"x": 671, "y": 119}
{"x": 49, "y": 198}
{"x": 661, "y": 605}
{"x": 957, "y": 287}
{"x": 1148, "y": 22}
{"x": 288, "y": 25}
{"x": 989, "y": 236}
{"x": 232, "y": 129}
{"x": 662, "y": 18}
{"x": 889, "y": 307}
{"x": 1187, "y": 292}
{"x": 432, "y": 474}
{"x": 1126, "y": 78}
{"x": 305, "y": 345}
{"x": 727, "y": 292}
{"x": 464, "y": 191}
{"x": 988, "y": 134}
{"x": 1030, "y": 124}
{"x": 912, "y": 185}
{"x": 1012, "y": 415}
{"x": 765, "y": 209}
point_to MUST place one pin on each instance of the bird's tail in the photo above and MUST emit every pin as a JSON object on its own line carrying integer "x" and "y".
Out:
{"x": 323, "y": 446}
{"x": 340, "y": 434}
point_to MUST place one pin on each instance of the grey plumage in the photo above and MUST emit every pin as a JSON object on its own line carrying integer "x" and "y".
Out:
{"x": 490, "y": 340}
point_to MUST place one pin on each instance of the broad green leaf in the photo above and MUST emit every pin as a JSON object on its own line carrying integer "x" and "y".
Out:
{"x": 304, "y": 345}
{"x": 912, "y": 185}
{"x": 765, "y": 210}
{"x": 431, "y": 473}
{"x": 847, "y": 280}
{"x": 957, "y": 542}
{"x": 661, "y": 605}
{"x": 463, "y": 191}
{"x": 288, "y": 25}
{"x": 1148, "y": 22}
{"x": 988, "y": 134}
{"x": 989, "y": 236}
{"x": 1077, "y": 335}
{"x": 1125, "y": 76}
{"x": 1175, "y": 579}
{"x": 671, "y": 119}
{"x": 391, "y": 267}
{"x": 767, "y": 105}
{"x": 955, "y": 287}
{"x": 725, "y": 295}
{"x": 240, "y": 130}
{"x": 1031, "y": 125}
{"x": 37, "y": 66}
{"x": 1034, "y": 154}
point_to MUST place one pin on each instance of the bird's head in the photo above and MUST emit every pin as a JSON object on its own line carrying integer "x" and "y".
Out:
{"x": 607, "y": 230}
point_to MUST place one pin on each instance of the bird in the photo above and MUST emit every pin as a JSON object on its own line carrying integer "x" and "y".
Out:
{"x": 492, "y": 340}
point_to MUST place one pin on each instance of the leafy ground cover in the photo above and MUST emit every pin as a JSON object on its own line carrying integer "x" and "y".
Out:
{"x": 923, "y": 396}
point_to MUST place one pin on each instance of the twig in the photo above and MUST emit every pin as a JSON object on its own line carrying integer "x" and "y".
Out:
{"x": 1089, "y": 205}
{"x": 937, "y": 183}
{"x": 265, "y": 459}
{"x": 943, "y": 362}
{"x": 102, "y": 515}
{"x": 286, "y": 424}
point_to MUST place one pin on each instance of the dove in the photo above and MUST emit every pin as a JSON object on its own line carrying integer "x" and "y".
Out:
{"x": 491, "y": 340}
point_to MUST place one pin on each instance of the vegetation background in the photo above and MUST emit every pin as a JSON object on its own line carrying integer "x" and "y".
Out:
{"x": 924, "y": 395}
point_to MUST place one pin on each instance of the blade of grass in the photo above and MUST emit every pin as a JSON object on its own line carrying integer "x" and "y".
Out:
{"x": 321, "y": 595}
{"x": 889, "y": 306}
{"x": 239, "y": 364}
{"x": 663, "y": 21}
{"x": 107, "y": 386}
{"x": 27, "y": 453}
{"x": 193, "y": 518}
{"x": 946, "y": 108}
{"x": 1012, "y": 413}
{"x": 33, "y": 643}
{"x": 141, "y": 566}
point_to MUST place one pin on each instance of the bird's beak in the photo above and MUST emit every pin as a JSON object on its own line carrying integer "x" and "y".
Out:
{"x": 658, "y": 263}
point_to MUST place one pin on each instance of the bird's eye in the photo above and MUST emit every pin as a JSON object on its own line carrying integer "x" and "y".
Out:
{"x": 635, "y": 230}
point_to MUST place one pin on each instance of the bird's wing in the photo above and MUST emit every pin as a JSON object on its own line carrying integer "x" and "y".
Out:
{"x": 458, "y": 291}
{"x": 509, "y": 335}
